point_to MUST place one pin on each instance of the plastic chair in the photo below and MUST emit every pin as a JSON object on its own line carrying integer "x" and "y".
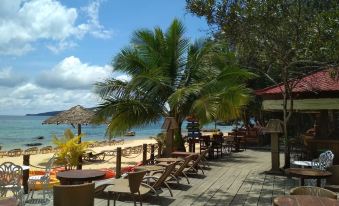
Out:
{"x": 314, "y": 191}
{"x": 42, "y": 179}
{"x": 10, "y": 180}
{"x": 73, "y": 195}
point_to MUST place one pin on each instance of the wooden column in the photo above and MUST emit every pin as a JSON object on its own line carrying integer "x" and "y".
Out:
{"x": 144, "y": 154}
{"x": 152, "y": 153}
{"x": 118, "y": 164}
{"x": 275, "y": 153}
{"x": 25, "y": 173}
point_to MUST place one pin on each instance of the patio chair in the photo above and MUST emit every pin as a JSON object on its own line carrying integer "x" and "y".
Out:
{"x": 314, "y": 191}
{"x": 332, "y": 182}
{"x": 132, "y": 185}
{"x": 42, "y": 179}
{"x": 161, "y": 180}
{"x": 73, "y": 195}
{"x": 10, "y": 180}
{"x": 216, "y": 146}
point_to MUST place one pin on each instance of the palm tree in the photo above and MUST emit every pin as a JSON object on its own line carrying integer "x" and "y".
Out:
{"x": 171, "y": 77}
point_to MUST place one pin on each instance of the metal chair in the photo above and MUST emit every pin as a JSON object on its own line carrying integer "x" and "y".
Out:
{"x": 10, "y": 180}
{"x": 42, "y": 179}
{"x": 73, "y": 195}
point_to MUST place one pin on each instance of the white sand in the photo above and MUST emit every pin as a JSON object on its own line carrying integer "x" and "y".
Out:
{"x": 40, "y": 159}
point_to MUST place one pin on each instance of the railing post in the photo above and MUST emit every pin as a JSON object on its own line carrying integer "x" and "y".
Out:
{"x": 118, "y": 164}
{"x": 152, "y": 153}
{"x": 144, "y": 154}
{"x": 25, "y": 173}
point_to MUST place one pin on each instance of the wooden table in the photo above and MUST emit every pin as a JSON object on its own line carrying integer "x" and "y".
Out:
{"x": 8, "y": 201}
{"x": 79, "y": 176}
{"x": 303, "y": 200}
{"x": 307, "y": 173}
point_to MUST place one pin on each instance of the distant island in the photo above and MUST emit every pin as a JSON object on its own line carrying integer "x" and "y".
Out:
{"x": 52, "y": 113}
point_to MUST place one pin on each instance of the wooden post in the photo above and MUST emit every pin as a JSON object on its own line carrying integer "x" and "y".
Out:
{"x": 275, "y": 153}
{"x": 159, "y": 150}
{"x": 152, "y": 153}
{"x": 25, "y": 173}
{"x": 144, "y": 153}
{"x": 118, "y": 164}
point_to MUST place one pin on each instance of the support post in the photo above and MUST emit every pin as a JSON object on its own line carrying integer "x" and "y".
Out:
{"x": 144, "y": 154}
{"x": 275, "y": 153}
{"x": 118, "y": 164}
{"x": 159, "y": 150}
{"x": 25, "y": 173}
{"x": 152, "y": 153}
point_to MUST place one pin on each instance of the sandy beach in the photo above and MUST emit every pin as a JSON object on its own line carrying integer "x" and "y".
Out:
{"x": 133, "y": 159}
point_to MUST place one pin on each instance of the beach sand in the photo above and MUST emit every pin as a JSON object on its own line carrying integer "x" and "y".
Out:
{"x": 40, "y": 159}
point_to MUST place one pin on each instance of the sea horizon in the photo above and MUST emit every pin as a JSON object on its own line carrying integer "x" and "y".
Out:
{"x": 18, "y": 130}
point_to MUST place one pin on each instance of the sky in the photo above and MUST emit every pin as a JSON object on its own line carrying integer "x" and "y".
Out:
{"x": 53, "y": 51}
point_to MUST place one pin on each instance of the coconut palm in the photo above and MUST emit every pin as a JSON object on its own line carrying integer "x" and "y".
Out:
{"x": 169, "y": 76}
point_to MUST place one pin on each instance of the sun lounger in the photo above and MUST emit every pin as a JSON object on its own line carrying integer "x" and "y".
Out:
{"x": 3, "y": 153}
{"x": 31, "y": 151}
{"x": 14, "y": 153}
{"x": 92, "y": 156}
{"x": 47, "y": 149}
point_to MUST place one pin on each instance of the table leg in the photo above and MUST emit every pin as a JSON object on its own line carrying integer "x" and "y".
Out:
{"x": 302, "y": 181}
{"x": 318, "y": 182}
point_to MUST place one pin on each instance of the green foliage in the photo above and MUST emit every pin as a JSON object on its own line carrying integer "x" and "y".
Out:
{"x": 172, "y": 77}
{"x": 69, "y": 148}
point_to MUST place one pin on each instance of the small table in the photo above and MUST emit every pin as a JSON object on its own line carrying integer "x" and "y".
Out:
{"x": 79, "y": 176}
{"x": 303, "y": 200}
{"x": 307, "y": 173}
{"x": 8, "y": 201}
{"x": 169, "y": 159}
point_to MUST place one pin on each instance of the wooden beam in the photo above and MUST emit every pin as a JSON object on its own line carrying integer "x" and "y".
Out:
{"x": 303, "y": 104}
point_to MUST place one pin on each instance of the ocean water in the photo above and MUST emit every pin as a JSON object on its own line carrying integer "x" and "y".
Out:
{"x": 17, "y": 131}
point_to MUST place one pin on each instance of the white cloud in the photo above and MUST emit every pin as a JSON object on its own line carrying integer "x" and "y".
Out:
{"x": 24, "y": 22}
{"x": 71, "y": 73}
{"x": 9, "y": 79}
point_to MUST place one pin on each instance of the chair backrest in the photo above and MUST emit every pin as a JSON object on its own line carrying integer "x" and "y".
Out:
{"x": 49, "y": 166}
{"x": 10, "y": 174}
{"x": 196, "y": 161}
{"x": 168, "y": 170}
{"x": 72, "y": 195}
{"x": 183, "y": 165}
{"x": 334, "y": 178}
{"x": 134, "y": 180}
{"x": 204, "y": 141}
{"x": 314, "y": 191}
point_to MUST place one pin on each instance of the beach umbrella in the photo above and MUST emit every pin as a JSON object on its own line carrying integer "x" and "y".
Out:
{"x": 77, "y": 115}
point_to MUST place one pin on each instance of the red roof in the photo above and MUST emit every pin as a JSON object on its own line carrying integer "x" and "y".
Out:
{"x": 320, "y": 81}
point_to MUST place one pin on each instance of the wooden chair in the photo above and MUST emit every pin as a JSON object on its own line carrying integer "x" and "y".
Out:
{"x": 132, "y": 186}
{"x": 196, "y": 165}
{"x": 332, "y": 182}
{"x": 92, "y": 156}
{"x": 314, "y": 191}
{"x": 72, "y": 195}
{"x": 216, "y": 146}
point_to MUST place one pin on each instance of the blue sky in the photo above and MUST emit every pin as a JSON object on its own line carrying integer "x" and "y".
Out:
{"x": 51, "y": 52}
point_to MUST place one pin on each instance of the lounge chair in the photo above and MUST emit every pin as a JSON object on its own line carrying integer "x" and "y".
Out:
{"x": 132, "y": 185}
{"x": 73, "y": 195}
{"x": 314, "y": 191}
{"x": 14, "y": 152}
{"x": 47, "y": 149}
{"x": 161, "y": 180}
{"x": 92, "y": 156}
{"x": 194, "y": 165}
{"x": 31, "y": 151}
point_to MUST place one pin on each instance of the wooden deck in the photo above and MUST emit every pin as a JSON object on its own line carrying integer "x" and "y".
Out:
{"x": 235, "y": 180}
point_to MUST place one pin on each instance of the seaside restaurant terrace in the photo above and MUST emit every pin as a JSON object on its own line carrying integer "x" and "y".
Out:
{"x": 234, "y": 176}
